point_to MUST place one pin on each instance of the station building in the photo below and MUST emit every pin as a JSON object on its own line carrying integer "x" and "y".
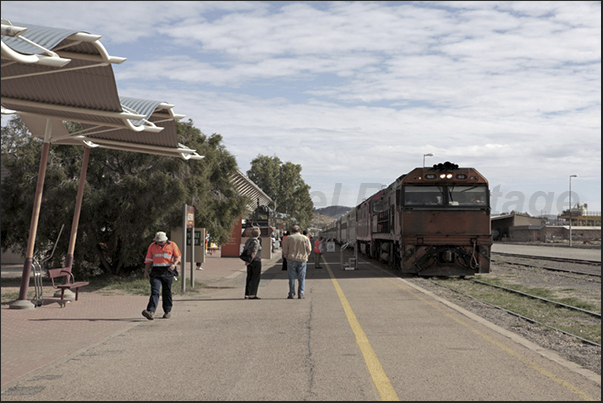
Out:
{"x": 586, "y": 228}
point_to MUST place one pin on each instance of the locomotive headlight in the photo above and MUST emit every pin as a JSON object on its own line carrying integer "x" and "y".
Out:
{"x": 448, "y": 176}
{"x": 442, "y": 176}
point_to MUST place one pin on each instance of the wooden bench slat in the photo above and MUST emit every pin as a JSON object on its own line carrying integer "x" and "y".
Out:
{"x": 73, "y": 285}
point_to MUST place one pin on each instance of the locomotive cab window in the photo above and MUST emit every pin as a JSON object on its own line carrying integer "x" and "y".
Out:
{"x": 423, "y": 196}
{"x": 468, "y": 196}
{"x": 445, "y": 196}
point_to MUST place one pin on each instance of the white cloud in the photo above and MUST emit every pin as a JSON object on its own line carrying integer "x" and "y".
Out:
{"x": 357, "y": 92}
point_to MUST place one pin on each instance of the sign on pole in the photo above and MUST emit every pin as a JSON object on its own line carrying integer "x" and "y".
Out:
{"x": 190, "y": 216}
{"x": 184, "y": 229}
{"x": 190, "y": 223}
{"x": 330, "y": 246}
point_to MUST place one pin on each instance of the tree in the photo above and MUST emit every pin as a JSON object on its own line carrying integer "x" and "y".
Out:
{"x": 283, "y": 183}
{"x": 14, "y": 135}
{"x": 127, "y": 198}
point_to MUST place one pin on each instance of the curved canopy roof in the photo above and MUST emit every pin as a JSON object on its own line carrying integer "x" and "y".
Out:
{"x": 60, "y": 75}
{"x": 246, "y": 187}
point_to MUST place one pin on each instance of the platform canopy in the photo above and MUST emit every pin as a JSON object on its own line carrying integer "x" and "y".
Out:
{"x": 246, "y": 187}
{"x": 51, "y": 75}
{"x": 54, "y": 75}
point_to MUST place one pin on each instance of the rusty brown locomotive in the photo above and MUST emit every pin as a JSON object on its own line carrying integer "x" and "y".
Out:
{"x": 431, "y": 222}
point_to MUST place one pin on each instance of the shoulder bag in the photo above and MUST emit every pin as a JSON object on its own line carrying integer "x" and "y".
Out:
{"x": 245, "y": 255}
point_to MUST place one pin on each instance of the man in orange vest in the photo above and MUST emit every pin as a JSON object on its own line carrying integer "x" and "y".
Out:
{"x": 162, "y": 258}
{"x": 318, "y": 251}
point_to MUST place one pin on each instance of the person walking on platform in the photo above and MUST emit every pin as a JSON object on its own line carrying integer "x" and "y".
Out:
{"x": 160, "y": 268}
{"x": 296, "y": 248}
{"x": 318, "y": 251}
{"x": 254, "y": 268}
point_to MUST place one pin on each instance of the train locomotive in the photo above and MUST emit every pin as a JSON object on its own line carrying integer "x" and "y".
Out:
{"x": 429, "y": 222}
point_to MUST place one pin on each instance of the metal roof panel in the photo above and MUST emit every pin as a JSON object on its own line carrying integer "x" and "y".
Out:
{"x": 45, "y": 37}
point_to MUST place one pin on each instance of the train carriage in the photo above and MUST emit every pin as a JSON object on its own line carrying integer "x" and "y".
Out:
{"x": 350, "y": 235}
{"x": 330, "y": 232}
{"x": 365, "y": 223}
{"x": 343, "y": 228}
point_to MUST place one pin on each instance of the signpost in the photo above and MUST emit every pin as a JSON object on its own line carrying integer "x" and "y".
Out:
{"x": 189, "y": 222}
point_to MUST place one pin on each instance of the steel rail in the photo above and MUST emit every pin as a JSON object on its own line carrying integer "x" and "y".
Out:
{"x": 550, "y": 268}
{"x": 575, "y": 308}
{"x": 531, "y": 320}
{"x": 554, "y": 259}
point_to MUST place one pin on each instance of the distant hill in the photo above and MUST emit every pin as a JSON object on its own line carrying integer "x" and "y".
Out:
{"x": 321, "y": 221}
{"x": 333, "y": 211}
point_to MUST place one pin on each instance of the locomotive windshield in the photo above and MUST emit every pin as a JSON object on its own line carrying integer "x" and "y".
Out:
{"x": 445, "y": 196}
{"x": 423, "y": 196}
{"x": 468, "y": 195}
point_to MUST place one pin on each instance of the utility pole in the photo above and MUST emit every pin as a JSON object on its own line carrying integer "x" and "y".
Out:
{"x": 570, "y": 208}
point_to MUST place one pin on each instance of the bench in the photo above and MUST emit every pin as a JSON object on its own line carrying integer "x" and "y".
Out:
{"x": 69, "y": 282}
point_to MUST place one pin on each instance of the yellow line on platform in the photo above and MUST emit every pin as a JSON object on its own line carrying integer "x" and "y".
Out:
{"x": 380, "y": 379}
{"x": 574, "y": 389}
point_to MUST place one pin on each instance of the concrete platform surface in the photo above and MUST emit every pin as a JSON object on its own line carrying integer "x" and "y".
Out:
{"x": 358, "y": 335}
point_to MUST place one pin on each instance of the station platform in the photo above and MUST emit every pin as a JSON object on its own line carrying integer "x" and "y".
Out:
{"x": 328, "y": 346}
{"x": 37, "y": 337}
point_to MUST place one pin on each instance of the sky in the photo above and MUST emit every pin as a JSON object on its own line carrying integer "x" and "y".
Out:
{"x": 358, "y": 93}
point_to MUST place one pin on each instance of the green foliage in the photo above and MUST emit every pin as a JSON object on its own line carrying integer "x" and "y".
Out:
{"x": 283, "y": 183}
{"x": 127, "y": 198}
{"x": 265, "y": 172}
{"x": 14, "y": 135}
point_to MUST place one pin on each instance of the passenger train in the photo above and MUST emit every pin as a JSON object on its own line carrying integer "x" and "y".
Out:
{"x": 429, "y": 222}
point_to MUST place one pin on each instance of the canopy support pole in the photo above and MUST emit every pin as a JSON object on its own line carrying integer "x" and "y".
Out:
{"x": 75, "y": 222}
{"x": 78, "y": 209}
{"x": 22, "y": 302}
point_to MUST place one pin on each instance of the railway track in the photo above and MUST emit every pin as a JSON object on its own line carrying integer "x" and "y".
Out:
{"x": 529, "y": 307}
{"x": 575, "y": 266}
{"x": 552, "y": 258}
{"x": 596, "y": 315}
{"x": 565, "y": 280}
{"x": 524, "y": 317}
{"x": 575, "y": 308}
